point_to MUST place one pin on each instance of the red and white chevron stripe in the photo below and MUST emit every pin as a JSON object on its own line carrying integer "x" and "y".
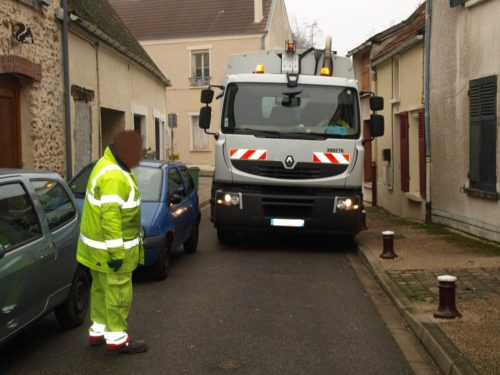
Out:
{"x": 331, "y": 158}
{"x": 246, "y": 154}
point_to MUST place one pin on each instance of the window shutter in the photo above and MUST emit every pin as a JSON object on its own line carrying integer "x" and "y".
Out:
{"x": 405, "y": 151}
{"x": 421, "y": 152}
{"x": 368, "y": 152}
{"x": 455, "y": 3}
{"x": 483, "y": 133}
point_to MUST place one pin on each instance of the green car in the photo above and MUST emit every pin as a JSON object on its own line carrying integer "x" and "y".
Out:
{"x": 39, "y": 228}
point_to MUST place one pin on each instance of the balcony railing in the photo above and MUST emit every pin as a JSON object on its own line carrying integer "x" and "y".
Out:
{"x": 200, "y": 81}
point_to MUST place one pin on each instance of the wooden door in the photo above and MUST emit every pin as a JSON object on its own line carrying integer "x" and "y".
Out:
{"x": 10, "y": 140}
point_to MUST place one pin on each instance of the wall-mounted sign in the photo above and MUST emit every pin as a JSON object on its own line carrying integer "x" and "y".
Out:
{"x": 22, "y": 33}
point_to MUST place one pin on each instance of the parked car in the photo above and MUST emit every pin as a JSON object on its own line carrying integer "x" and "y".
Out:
{"x": 39, "y": 228}
{"x": 170, "y": 212}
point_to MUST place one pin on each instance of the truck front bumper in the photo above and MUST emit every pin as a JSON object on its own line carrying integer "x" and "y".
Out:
{"x": 300, "y": 209}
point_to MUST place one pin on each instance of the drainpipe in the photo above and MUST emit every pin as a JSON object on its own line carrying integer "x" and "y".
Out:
{"x": 67, "y": 108}
{"x": 427, "y": 117}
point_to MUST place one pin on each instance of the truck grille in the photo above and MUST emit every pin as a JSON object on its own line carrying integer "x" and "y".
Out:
{"x": 302, "y": 171}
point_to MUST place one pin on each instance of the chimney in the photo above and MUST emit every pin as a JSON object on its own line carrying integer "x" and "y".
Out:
{"x": 258, "y": 10}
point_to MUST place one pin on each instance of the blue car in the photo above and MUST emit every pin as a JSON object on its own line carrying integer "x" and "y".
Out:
{"x": 170, "y": 211}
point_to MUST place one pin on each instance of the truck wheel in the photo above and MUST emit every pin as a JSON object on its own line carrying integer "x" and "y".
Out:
{"x": 225, "y": 236}
{"x": 74, "y": 310}
{"x": 160, "y": 270}
{"x": 191, "y": 243}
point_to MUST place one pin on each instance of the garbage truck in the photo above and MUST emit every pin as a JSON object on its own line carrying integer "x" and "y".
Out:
{"x": 289, "y": 151}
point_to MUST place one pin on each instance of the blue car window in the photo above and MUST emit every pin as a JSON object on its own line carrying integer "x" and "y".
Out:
{"x": 55, "y": 202}
{"x": 188, "y": 179}
{"x": 149, "y": 182}
{"x": 79, "y": 183}
{"x": 175, "y": 184}
{"x": 18, "y": 220}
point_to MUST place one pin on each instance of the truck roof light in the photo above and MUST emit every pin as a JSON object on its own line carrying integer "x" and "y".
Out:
{"x": 259, "y": 69}
{"x": 291, "y": 46}
{"x": 325, "y": 71}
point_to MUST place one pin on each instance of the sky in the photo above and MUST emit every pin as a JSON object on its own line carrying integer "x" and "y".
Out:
{"x": 349, "y": 22}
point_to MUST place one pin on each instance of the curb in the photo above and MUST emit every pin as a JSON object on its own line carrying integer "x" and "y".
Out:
{"x": 446, "y": 355}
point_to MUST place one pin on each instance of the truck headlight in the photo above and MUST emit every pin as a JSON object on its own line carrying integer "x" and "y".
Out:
{"x": 346, "y": 203}
{"x": 228, "y": 199}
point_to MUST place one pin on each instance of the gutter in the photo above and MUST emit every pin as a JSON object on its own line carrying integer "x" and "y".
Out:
{"x": 400, "y": 49}
{"x": 427, "y": 115}
{"x": 67, "y": 108}
{"x": 107, "y": 39}
{"x": 427, "y": 60}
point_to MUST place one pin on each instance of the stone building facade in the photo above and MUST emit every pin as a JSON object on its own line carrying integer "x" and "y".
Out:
{"x": 32, "y": 133}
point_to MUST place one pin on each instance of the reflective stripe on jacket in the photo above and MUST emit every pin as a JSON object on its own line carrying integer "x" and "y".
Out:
{"x": 111, "y": 217}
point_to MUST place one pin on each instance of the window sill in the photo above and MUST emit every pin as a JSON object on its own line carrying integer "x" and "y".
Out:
{"x": 394, "y": 101}
{"x": 414, "y": 197}
{"x": 367, "y": 185}
{"x": 471, "y": 3}
{"x": 204, "y": 150}
{"x": 482, "y": 194}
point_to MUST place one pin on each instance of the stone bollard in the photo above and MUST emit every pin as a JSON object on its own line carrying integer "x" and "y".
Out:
{"x": 388, "y": 250}
{"x": 447, "y": 308}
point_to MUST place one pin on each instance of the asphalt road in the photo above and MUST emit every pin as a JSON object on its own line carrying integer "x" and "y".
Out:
{"x": 284, "y": 306}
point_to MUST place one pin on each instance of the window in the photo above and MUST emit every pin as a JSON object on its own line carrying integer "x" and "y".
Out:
{"x": 483, "y": 133}
{"x": 188, "y": 179}
{"x": 175, "y": 184}
{"x": 200, "y": 139}
{"x": 200, "y": 68}
{"x": 55, "y": 202}
{"x": 149, "y": 183}
{"x": 18, "y": 221}
{"x": 79, "y": 183}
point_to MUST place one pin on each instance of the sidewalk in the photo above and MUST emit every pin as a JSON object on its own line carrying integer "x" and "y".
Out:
{"x": 467, "y": 345}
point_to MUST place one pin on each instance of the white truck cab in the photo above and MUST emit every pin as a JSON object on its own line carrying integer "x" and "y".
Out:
{"x": 289, "y": 152}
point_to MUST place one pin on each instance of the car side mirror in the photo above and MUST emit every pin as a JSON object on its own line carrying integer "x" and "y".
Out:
{"x": 175, "y": 198}
{"x": 205, "y": 117}
{"x": 376, "y": 103}
{"x": 207, "y": 95}
{"x": 377, "y": 125}
{"x": 2, "y": 251}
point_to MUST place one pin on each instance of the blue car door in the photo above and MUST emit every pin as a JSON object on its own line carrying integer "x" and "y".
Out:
{"x": 179, "y": 206}
{"x": 25, "y": 253}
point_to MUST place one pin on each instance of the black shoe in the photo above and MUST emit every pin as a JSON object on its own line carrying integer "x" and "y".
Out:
{"x": 128, "y": 347}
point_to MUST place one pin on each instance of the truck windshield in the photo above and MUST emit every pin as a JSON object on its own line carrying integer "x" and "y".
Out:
{"x": 307, "y": 111}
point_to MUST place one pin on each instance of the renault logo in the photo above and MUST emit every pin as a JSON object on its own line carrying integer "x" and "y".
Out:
{"x": 289, "y": 161}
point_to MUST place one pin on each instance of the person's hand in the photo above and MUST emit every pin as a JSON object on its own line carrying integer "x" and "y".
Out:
{"x": 115, "y": 264}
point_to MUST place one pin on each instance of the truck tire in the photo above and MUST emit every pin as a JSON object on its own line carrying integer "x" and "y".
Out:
{"x": 74, "y": 310}
{"x": 160, "y": 269}
{"x": 226, "y": 237}
{"x": 191, "y": 244}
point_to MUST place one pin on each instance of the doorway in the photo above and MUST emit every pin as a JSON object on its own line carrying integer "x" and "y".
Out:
{"x": 10, "y": 124}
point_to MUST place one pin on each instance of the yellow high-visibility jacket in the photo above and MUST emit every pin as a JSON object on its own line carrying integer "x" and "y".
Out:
{"x": 111, "y": 218}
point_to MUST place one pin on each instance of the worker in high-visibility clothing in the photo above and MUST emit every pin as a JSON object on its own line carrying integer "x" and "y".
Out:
{"x": 110, "y": 244}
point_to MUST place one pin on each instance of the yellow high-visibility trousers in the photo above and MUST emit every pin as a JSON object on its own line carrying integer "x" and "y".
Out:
{"x": 111, "y": 299}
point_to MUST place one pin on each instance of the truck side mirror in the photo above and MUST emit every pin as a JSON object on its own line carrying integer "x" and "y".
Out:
{"x": 376, "y": 103}
{"x": 205, "y": 117}
{"x": 377, "y": 125}
{"x": 207, "y": 95}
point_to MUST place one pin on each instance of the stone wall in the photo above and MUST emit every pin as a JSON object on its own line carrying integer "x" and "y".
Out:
{"x": 30, "y": 48}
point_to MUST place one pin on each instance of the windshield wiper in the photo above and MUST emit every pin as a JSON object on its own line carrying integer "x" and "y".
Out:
{"x": 302, "y": 135}
{"x": 259, "y": 133}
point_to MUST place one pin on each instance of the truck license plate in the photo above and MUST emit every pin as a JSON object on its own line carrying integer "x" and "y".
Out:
{"x": 296, "y": 223}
